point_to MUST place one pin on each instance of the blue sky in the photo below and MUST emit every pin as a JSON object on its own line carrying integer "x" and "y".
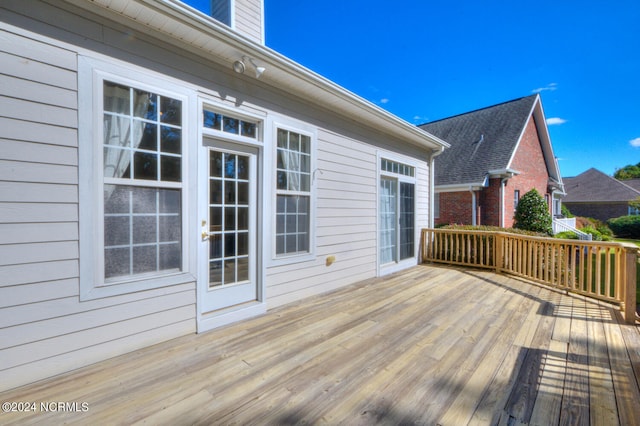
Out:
{"x": 426, "y": 60}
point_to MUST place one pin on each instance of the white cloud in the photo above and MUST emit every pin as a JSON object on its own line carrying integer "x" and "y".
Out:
{"x": 555, "y": 121}
{"x": 384, "y": 100}
{"x": 635, "y": 142}
{"x": 550, "y": 87}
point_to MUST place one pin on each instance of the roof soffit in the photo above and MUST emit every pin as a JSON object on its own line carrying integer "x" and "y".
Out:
{"x": 189, "y": 29}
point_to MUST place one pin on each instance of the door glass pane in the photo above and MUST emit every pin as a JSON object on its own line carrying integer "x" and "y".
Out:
{"x": 388, "y": 220}
{"x": 407, "y": 234}
{"x": 229, "y": 256}
{"x": 243, "y": 269}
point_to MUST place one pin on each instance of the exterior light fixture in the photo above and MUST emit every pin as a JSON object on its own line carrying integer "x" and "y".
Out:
{"x": 239, "y": 66}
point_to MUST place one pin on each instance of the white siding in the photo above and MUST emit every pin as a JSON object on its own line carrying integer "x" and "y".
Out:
{"x": 44, "y": 328}
{"x": 346, "y": 223}
{"x": 249, "y": 19}
{"x": 42, "y": 320}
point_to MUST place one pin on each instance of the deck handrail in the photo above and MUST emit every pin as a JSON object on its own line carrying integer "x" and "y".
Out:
{"x": 596, "y": 269}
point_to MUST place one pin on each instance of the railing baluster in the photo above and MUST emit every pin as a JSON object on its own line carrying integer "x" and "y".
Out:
{"x": 596, "y": 269}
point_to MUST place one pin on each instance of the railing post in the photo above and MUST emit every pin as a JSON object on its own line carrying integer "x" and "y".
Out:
{"x": 498, "y": 252}
{"x": 629, "y": 288}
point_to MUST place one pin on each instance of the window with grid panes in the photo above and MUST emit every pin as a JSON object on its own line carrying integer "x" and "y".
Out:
{"x": 142, "y": 192}
{"x": 293, "y": 193}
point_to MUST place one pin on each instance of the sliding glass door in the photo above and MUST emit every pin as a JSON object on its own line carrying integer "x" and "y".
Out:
{"x": 397, "y": 220}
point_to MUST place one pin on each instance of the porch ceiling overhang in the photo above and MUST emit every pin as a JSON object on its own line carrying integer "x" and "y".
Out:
{"x": 187, "y": 28}
{"x": 472, "y": 186}
{"x": 503, "y": 173}
{"x": 555, "y": 186}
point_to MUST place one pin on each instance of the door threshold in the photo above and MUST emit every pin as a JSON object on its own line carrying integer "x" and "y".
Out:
{"x": 210, "y": 320}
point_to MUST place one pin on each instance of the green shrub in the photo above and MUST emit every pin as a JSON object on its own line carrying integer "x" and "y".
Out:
{"x": 625, "y": 226}
{"x": 595, "y": 234}
{"x": 493, "y": 229}
{"x": 565, "y": 211}
{"x": 567, "y": 235}
{"x": 532, "y": 213}
{"x": 601, "y": 227}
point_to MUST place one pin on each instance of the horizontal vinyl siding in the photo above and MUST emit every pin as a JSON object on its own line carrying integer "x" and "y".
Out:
{"x": 44, "y": 328}
{"x": 249, "y": 18}
{"x": 422, "y": 198}
{"x": 345, "y": 223}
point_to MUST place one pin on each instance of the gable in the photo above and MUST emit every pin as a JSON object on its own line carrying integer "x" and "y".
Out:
{"x": 481, "y": 141}
{"x": 593, "y": 186}
{"x": 528, "y": 156}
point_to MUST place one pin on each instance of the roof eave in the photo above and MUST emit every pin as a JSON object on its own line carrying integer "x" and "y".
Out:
{"x": 225, "y": 46}
{"x": 460, "y": 187}
{"x": 503, "y": 173}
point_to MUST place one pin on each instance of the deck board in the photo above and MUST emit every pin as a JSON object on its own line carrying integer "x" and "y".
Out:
{"x": 430, "y": 345}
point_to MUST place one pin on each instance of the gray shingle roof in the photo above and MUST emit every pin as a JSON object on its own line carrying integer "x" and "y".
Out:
{"x": 480, "y": 140}
{"x": 593, "y": 186}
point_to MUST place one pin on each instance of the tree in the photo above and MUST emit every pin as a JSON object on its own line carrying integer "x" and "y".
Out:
{"x": 532, "y": 213}
{"x": 630, "y": 171}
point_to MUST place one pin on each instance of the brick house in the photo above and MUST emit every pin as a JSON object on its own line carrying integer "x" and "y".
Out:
{"x": 497, "y": 154}
{"x": 600, "y": 196}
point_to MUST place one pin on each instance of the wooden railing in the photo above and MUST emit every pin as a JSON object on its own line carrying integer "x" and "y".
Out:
{"x": 601, "y": 270}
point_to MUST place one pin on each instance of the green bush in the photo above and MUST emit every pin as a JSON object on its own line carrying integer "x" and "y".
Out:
{"x": 565, "y": 211}
{"x": 600, "y": 226}
{"x": 595, "y": 234}
{"x": 532, "y": 214}
{"x": 493, "y": 229}
{"x": 625, "y": 226}
{"x": 567, "y": 235}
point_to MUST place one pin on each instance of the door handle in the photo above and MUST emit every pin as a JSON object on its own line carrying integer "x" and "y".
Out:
{"x": 205, "y": 232}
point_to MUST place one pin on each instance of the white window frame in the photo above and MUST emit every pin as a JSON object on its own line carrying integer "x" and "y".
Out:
{"x": 232, "y": 14}
{"x": 213, "y": 106}
{"x": 92, "y": 72}
{"x": 304, "y": 129}
{"x": 388, "y": 268}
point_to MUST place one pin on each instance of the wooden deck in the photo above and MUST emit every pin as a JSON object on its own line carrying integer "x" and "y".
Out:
{"x": 430, "y": 345}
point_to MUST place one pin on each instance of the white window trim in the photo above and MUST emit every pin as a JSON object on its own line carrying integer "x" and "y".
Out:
{"x": 273, "y": 124}
{"x": 91, "y": 73}
{"x": 259, "y": 119}
{"x": 388, "y": 268}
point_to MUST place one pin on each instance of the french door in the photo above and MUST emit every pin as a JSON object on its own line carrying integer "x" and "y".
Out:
{"x": 397, "y": 220}
{"x": 228, "y": 240}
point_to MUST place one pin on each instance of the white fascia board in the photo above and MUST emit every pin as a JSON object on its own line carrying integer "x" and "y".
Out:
{"x": 465, "y": 187}
{"x": 171, "y": 16}
{"x": 545, "y": 140}
{"x": 547, "y": 148}
{"x": 503, "y": 172}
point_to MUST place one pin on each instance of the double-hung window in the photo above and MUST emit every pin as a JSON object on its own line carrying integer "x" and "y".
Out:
{"x": 142, "y": 159}
{"x": 132, "y": 159}
{"x": 293, "y": 193}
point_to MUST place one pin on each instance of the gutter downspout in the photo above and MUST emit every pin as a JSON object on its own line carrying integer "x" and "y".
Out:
{"x": 502, "y": 183}
{"x": 473, "y": 207}
{"x": 432, "y": 185}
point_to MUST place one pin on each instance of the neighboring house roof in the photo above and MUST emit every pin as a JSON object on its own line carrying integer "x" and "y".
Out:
{"x": 484, "y": 142}
{"x": 198, "y": 33}
{"x": 593, "y": 186}
{"x": 634, "y": 183}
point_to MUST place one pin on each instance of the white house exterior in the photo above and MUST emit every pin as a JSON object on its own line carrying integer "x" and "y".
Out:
{"x": 149, "y": 191}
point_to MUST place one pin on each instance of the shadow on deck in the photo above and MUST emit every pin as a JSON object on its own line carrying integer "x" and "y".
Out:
{"x": 429, "y": 345}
